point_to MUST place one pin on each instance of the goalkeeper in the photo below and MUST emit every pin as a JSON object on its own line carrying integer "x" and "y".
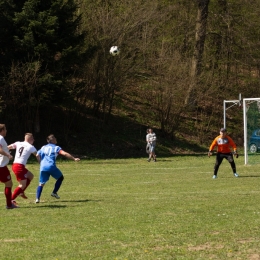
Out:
{"x": 223, "y": 143}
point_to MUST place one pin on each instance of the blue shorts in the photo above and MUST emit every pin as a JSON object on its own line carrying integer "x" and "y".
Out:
{"x": 45, "y": 175}
{"x": 152, "y": 148}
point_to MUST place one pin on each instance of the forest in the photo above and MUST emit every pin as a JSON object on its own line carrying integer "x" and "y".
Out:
{"x": 179, "y": 60}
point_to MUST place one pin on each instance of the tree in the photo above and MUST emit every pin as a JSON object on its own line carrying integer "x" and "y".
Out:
{"x": 45, "y": 33}
{"x": 196, "y": 61}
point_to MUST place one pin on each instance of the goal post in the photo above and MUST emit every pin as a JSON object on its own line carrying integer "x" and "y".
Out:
{"x": 251, "y": 118}
{"x": 225, "y": 107}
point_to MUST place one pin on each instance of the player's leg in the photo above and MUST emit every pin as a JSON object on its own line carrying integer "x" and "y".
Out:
{"x": 57, "y": 174}
{"x": 44, "y": 177}
{"x": 219, "y": 159}
{"x": 5, "y": 177}
{"x": 150, "y": 152}
{"x": 8, "y": 194}
{"x": 39, "y": 192}
{"x": 230, "y": 159}
{"x": 28, "y": 181}
{"x": 21, "y": 174}
{"x": 150, "y": 156}
{"x": 19, "y": 189}
{"x": 154, "y": 155}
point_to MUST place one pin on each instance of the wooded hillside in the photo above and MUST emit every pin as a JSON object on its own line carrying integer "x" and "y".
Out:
{"x": 179, "y": 60}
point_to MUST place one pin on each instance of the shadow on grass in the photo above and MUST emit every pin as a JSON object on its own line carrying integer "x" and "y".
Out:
{"x": 55, "y": 206}
{"x": 45, "y": 205}
{"x": 79, "y": 201}
{"x": 250, "y": 176}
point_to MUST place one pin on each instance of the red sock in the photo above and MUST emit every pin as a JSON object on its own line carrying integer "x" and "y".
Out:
{"x": 16, "y": 192}
{"x": 8, "y": 195}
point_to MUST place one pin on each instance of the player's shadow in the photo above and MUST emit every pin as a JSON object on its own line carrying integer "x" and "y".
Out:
{"x": 45, "y": 205}
{"x": 56, "y": 204}
{"x": 249, "y": 176}
{"x": 73, "y": 201}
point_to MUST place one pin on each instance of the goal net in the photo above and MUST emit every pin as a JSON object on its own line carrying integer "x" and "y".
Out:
{"x": 251, "y": 113}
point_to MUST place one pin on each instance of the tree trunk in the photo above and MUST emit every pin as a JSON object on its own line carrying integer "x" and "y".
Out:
{"x": 196, "y": 61}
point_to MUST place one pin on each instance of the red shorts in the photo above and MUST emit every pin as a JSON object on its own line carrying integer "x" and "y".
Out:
{"x": 5, "y": 175}
{"x": 20, "y": 171}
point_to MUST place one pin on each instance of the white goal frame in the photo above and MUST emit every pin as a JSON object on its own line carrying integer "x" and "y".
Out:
{"x": 234, "y": 103}
{"x": 247, "y": 101}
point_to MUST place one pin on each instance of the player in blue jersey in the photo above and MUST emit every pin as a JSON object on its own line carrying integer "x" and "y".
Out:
{"x": 47, "y": 156}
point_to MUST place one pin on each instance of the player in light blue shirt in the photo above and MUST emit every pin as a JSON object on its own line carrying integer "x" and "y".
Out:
{"x": 47, "y": 156}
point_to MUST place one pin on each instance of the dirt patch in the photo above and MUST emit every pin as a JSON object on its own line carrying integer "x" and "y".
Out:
{"x": 206, "y": 246}
{"x": 13, "y": 240}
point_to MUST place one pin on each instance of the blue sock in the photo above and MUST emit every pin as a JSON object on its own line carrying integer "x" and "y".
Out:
{"x": 39, "y": 192}
{"x": 57, "y": 185}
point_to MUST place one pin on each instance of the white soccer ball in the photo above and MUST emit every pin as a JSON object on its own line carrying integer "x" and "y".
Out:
{"x": 114, "y": 50}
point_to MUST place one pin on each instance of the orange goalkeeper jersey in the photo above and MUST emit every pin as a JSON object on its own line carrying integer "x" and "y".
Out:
{"x": 223, "y": 144}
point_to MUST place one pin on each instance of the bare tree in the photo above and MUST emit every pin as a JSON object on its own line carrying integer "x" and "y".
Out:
{"x": 196, "y": 61}
{"x": 23, "y": 95}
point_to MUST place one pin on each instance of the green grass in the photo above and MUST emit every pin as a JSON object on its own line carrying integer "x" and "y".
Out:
{"x": 132, "y": 209}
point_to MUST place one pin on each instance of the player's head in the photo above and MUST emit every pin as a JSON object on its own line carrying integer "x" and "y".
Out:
{"x": 51, "y": 139}
{"x": 3, "y": 130}
{"x": 28, "y": 137}
{"x": 223, "y": 132}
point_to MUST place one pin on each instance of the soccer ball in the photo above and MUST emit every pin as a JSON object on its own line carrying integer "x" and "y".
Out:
{"x": 114, "y": 50}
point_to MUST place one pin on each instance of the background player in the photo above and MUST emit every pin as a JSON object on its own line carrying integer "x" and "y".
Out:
{"x": 151, "y": 141}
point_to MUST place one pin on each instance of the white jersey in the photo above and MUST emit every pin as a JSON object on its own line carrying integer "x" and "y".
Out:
{"x": 4, "y": 160}
{"x": 23, "y": 152}
{"x": 151, "y": 138}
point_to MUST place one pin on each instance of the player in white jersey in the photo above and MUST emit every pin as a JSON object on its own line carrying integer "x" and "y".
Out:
{"x": 151, "y": 143}
{"x": 24, "y": 176}
{"x": 5, "y": 176}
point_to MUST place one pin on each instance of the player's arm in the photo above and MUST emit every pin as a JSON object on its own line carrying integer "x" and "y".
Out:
{"x": 10, "y": 157}
{"x": 212, "y": 146}
{"x": 232, "y": 143}
{"x": 69, "y": 156}
{"x": 11, "y": 146}
{"x": 38, "y": 157}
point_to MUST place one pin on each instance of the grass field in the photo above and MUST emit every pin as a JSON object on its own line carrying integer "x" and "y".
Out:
{"x": 132, "y": 209}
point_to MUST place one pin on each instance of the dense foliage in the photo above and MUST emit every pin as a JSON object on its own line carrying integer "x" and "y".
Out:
{"x": 179, "y": 61}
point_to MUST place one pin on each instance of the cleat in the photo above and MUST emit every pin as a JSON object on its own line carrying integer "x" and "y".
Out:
{"x": 12, "y": 207}
{"x": 14, "y": 203}
{"x": 148, "y": 160}
{"x": 214, "y": 177}
{"x": 37, "y": 201}
{"x": 23, "y": 196}
{"x": 236, "y": 175}
{"x": 55, "y": 195}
